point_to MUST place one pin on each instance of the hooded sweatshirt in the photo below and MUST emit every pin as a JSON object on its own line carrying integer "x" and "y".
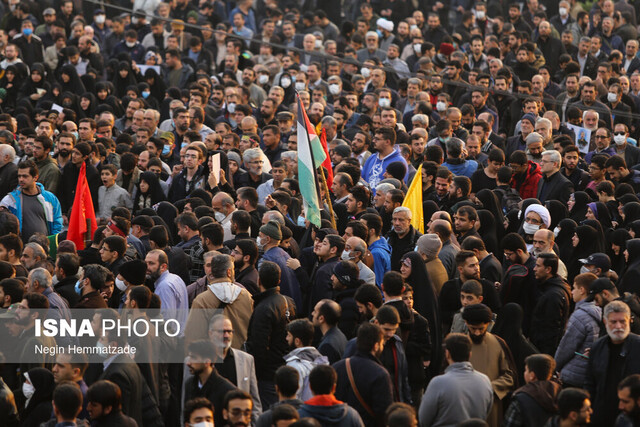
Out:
{"x": 381, "y": 252}
{"x": 536, "y": 401}
{"x": 329, "y": 411}
{"x": 304, "y": 359}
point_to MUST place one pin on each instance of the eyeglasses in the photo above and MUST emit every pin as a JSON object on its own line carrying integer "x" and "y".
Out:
{"x": 601, "y": 136}
{"x": 532, "y": 221}
{"x": 619, "y": 133}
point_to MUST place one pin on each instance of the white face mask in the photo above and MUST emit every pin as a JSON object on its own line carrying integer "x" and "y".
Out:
{"x": 203, "y": 424}
{"x": 231, "y": 107}
{"x": 441, "y": 106}
{"x": 384, "y": 102}
{"x": 413, "y": 27}
{"x": 584, "y": 269}
{"x": 556, "y": 231}
{"x": 334, "y": 89}
{"x": 346, "y": 256}
{"x": 134, "y": 20}
{"x": 260, "y": 243}
{"x": 263, "y": 79}
{"x": 28, "y": 390}
{"x": 480, "y": 14}
{"x": 365, "y": 72}
{"x": 619, "y": 139}
{"x": 220, "y": 216}
{"x": 612, "y": 97}
{"x": 530, "y": 228}
{"x": 300, "y": 86}
{"x": 121, "y": 285}
{"x": 318, "y": 44}
{"x": 130, "y": 44}
{"x": 285, "y": 82}
{"x": 563, "y": 11}
{"x": 12, "y": 7}
{"x": 100, "y": 19}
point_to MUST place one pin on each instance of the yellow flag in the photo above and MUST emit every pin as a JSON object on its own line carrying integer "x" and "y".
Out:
{"x": 413, "y": 201}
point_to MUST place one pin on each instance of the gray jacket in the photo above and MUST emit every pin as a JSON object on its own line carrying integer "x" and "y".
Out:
{"x": 582, "y": 331}
{"x": 459, "y": 394}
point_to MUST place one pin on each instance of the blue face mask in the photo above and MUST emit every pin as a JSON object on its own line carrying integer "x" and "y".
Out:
{"x": 75, "y": 134}
{"x": 379, "y": 33}
{"x": 145, "y": 95}
{"x": 27, "y": 31}
{"x": 184, "y": 144}
{"x": 78, "y": 288}
{"x": 166, "y": 150}
{"x": 300, "y": 221}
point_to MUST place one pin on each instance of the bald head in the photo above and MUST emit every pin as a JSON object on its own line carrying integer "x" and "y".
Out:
{"x": 442, "y": 228}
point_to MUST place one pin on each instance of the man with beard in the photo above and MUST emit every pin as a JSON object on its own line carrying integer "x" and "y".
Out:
{"x": 67, "y": 189}
{"x": 303, "y": 355}
{"x": 488, "y": 356}
{"x": 238, "y": 409}
{"x": 629, "y": 397}
{"x": 169, "y": 287}
{"x": 588, "y": 101}
{"x": 206, "y": 381}
{"x": 364, "y": 373}
{"x": 612, "y": 358}
{"x": 552, "y": 309}
{"x": 254, "y": 162}
{"x": 245, "y": 255}
{"x": 570, "y": 158}
{"x": 461, "y": 393}
{"x": 235, "y": 365}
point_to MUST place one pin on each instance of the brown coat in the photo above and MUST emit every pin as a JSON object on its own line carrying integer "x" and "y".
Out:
{"x": 437, "y": 274}
{"x": 205, "y": 306}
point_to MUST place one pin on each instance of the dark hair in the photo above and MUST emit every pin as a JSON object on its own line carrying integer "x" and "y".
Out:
{"x": 359, "y": 229}
{"x": 472, "y": 287}
{"x": 235, "y": 394}
{"x": 496, "y": 155}
{"x": 473, "y": 243}
{"x": 632, "y": 382}
{"x": 202, "y": 348}
{"x": 616, "y": 162}
{"x": 330, "y": 310}
{"x": 36, "y": 300}
{"x": 283, "y": 412}
{"x": 337, "y": 242}
{"x": 459, "y": 347}
{"x": 368, "y": 294}
{"x": 159, "y": 235}
{"x": 31, "y": 165}
{"x": 269, "y": 274}
{"x": 388, "y": 315}
{"x": 322, "y": 379}
{"x": 374, "y": 222}
{"x": 361, "y": 194}
{"x": 469, "y": 211}
{"x": 14, "y": 288}
{"x": 393, "y": 283}
{"x": 105, "y": 393}
{"x": 194, "y": 404}
{"x": 513, "y": 242}
{"x": 69, "y": 263}
{"x": 400, "y": 414}
{"x": 187, "y": 219}
{"x": 250, "y": 194}
{"x": 13, "y": 242}
{"x": 68, "y": 399}
{"x": 542, "y": 365}
{"x": 303, "y": 330}
{"x": 242, "y": 219}
{"x": 387, "y": 133}
{"x": 550, "y": 260}
{"x": 464, "y": 184}
{"x": 96, "y": 275}
{"x": 214, "y": 232}
{"x": 504, "y": 174}
{"x": 141, "y": 295}
{"x": 250, "y": 248}
{"x": 369, "y": 334}
{"x": 287, "y": 379}
{"x": 571, "y": 400}
{"x": 462, "y": 256}
{"x": 117, "y": 244}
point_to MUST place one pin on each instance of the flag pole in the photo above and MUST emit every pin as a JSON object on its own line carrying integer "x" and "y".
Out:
{"x": 323, "y": 181}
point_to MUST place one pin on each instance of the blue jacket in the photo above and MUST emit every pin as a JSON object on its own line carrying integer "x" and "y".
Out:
{"x": 582, "y": 331}
{"x": 289, "y": 285}
{"x": 381, "y": 252}
{"x": 466, "y": 168}
{"x": 374, "y": 168}
{"x": 50, "y": 204}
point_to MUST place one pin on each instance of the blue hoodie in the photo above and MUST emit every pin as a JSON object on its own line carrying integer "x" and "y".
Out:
{"x": 381, "y": 251}
{"x": 374, "y": 168}
{"x": 466, "y": 168}
{"x": 338, "y": 414}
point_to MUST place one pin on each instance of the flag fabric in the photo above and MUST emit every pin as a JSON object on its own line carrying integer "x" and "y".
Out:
{"x": 81, "y": 211}
{"x": 327, "y": 161}
{"x": 413, "y": 201}
{"x": 310, "y": 157}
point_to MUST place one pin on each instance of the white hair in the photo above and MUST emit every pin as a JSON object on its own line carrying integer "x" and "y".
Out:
{"x": 252, "y": 154}
{"x": 544, "y": 121}
{"x": 554, "y": 156}
{"x": 289, "y": 155}
{"x": 420, "y": 118}
{"x": 7, "y": 150}
{"x": 584, "y": 114}
{"x": 372, "y": 34}
{"x": 384, "y": 187}
{"x": 42, "y": 276}
{"x": 403, "y": 209}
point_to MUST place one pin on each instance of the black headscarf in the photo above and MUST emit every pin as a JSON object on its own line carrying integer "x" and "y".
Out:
{"x": 155, "y": 193}
{"x": 601, "y": 213}
{"x": 491, "y": 203}
{"x": 508, "y": 326}
{"x": 587, "y": 245}
{"x": 425, "y": 302}
{"x": 74, "y": 85}
{"x": 168, "y": 212}
{"x": 580, "y": 207}
{"x": 90, "y": 112}
{"x": 429, "y": 207}
{"x": 157, "y": 85}
{"x": 558, "y": 211}
{"x": 44, "y": 383}
{"x": 121, "y": 84}
{"x": 488, "y": 231}
{"x": 631, "y": 212}
{"x": 565, "y": 246}
{"x": 601, "y": 236}
{"x": 619, "y": 238}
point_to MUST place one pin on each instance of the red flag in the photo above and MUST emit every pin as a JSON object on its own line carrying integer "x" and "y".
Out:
{"x": 327, "y": 162}
{"x": 81, "y": 211}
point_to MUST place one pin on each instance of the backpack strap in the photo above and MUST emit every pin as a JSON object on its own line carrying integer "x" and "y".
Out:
{"x": 355, "y": 388}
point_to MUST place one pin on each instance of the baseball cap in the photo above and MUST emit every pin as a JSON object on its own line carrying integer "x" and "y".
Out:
{"x": 11, "y": 312}
{"x": 599, "y": 285}
{"x": 598, "y": 260}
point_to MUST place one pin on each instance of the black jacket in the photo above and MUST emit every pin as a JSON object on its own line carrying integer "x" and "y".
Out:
{"x": 550, "y": 315}
{"x": 400, "y": 246}
{"x": 590, "y": 67}
{"x": 449, "y": 299}
{"x": 214, "y": 389}
{"x": 67, "y": 188}
{"x": 373, "y": 383}
{"x": 267, "y": 332}
{"x": 8, "y": 178}
{"x": 139, "y": 403}
{"x": 556, "y": 187}
{"x": 599, "y": 383}
{"x": 114, "y": 419}
{"x": 66, "y": 289}
{"x": 319, "y": 287}
{"x": 631, "y": 155}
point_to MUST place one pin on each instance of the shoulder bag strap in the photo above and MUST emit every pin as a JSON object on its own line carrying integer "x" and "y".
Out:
{"x": 355, "y": 389}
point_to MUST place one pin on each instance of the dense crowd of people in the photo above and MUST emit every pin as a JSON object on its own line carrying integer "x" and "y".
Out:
{"x": 508, "y": 297}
